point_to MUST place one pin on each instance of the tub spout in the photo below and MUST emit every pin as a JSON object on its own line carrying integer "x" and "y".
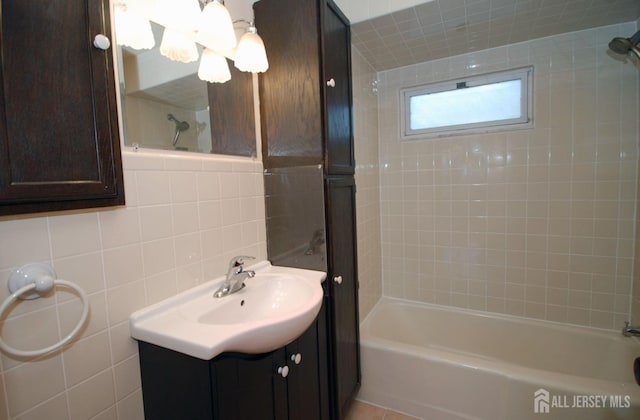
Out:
{"x": 630, "y": 331}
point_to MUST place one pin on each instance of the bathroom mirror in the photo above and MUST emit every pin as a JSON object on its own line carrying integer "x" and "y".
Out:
{"x": 165, "y": 105}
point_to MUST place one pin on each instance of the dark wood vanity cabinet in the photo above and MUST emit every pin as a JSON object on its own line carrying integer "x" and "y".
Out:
{"x": 59, "y": 138}
{"x": 305, "y": 96}
{"x": 236, "y": 386}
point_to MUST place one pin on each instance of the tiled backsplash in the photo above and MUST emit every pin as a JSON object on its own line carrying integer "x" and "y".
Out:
{"x": 535, "y": 222}
{"x": 185, "y": 218}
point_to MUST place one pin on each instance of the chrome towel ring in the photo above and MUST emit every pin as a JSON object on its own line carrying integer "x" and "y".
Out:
{"x": 39, "y": 279}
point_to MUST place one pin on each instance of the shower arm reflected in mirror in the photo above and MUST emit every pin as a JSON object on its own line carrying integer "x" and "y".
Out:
{"x": 180, "y": 127}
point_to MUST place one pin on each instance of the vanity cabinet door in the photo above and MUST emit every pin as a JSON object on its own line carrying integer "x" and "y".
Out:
{"x": 59, "y": 138}
{"x": 343, "y": 291}
{"x": 303, "y": 381}
{"x": 255, "y": 387}
{"x": 249, "y": 387}
{"x": 281, "y": 385}
{"x": 174, "y": 385}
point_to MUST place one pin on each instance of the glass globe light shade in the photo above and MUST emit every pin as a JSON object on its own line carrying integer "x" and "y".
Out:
{"x": 177, "y": 47}
{"x": 250, "y": 54}
{"x": 132, "y": 29}
{"x": 216, "y": 29}
{"x": 213, "y": 67}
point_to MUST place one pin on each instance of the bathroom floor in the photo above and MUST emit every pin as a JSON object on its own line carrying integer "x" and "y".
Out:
{"x": 363, "y": 411}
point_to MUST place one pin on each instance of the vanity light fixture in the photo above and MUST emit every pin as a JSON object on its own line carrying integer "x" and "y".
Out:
{"x": 132, "y": 28}
{"x": 185, "y": 24}
{"x": 177, "y": 47}
{"x": 213, "y": 67}
{"x": 251, "y": 55}
{"x": 179, "y": 17}
{"x": 216, "y": 29}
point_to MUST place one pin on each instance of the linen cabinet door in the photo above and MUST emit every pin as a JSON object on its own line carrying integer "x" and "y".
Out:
{"x": 344, "y": 331}
{"x": 291, "y": 105}
{"x": 338, "y": 98}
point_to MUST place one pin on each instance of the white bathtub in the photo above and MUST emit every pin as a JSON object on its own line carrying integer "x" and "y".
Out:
{"x": 439, "y": 363}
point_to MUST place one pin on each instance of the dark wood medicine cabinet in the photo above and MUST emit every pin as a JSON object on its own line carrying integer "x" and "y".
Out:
{"x": 59, "y": 138}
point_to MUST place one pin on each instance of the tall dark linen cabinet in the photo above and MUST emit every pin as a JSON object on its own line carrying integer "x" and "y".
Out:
{"x": 307, "y": 137}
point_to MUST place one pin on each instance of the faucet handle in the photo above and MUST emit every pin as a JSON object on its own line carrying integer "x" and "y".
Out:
{"x": 239, "y": 260}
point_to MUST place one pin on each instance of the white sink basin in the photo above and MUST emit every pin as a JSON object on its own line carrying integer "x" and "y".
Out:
{"x": 275, "y": 307}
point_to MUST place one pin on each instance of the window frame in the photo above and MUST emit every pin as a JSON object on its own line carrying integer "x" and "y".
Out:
{"x": 525, "y": 121}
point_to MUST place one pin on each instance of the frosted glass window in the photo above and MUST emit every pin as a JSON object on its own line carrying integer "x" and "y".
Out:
{"x": 496, "y": 101}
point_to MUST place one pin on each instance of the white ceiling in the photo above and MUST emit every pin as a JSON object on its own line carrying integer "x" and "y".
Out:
{"x": 360, "y": 10}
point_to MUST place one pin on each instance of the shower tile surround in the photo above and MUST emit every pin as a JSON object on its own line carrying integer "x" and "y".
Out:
{"x": 365, "y": 116}
{"x": 635, "y": 295}
{"x": 443, "y": 28}
{"x": 537, "y": 222}
{"x": 185, "y": 218}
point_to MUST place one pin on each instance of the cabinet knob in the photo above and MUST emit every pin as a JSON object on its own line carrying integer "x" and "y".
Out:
{"x": 101, "y": 42}
{"x": 296, "y": 358}
{"x": 283, "y": 371}
{"x": 337, "y": 279}
{"x": 331, "y": 82}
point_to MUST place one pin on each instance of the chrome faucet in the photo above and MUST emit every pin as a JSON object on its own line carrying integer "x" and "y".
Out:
{"x": 630, "y": 331}
{"x": 235, "y": 276}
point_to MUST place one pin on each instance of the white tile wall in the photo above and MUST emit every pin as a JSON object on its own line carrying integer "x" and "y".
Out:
{"x": 368, "y": 181}
{"x": 537, "y": 222}
{"x": 147, "y": 121}
{"x": 185, "y": 218}
{"x": 635, "y": 297}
